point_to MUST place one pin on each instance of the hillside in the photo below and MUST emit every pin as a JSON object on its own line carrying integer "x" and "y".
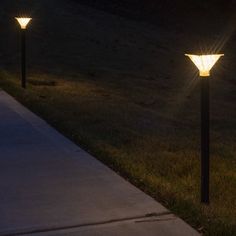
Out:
{"x": 120, "y": 86}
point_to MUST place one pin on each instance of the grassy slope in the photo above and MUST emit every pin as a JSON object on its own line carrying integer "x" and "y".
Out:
{"x": 125, "y": 92}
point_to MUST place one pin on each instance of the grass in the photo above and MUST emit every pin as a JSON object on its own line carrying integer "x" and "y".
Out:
{"x": 147, "y": 130}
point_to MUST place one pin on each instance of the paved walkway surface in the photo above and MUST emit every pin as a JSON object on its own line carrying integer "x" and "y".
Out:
{"x": 50, "y": 186}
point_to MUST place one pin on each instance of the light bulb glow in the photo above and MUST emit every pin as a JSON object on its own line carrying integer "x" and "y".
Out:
{"x": 23, "y": 21}
{"x": 204, "y": 63}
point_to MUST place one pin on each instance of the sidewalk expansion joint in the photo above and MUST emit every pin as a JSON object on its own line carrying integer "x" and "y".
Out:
{"x": 152, "y": 217}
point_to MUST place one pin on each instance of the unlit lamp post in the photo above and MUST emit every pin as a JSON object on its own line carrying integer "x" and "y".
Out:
{"x": 23, "y": 22}
{"x": 205, "y": 63}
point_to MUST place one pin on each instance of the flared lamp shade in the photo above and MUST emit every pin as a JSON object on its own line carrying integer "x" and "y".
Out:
{"x": 204, "y": 63}
{"x": 23, "y": 21}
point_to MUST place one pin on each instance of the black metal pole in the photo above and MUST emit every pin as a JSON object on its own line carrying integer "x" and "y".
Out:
{"x": 23, "y": 59}
{"x": 205, "y": 139}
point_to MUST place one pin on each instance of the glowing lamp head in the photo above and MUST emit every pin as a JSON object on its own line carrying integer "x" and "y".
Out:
{"x": 204, "y": 63}
{"x": 23, "y": 21}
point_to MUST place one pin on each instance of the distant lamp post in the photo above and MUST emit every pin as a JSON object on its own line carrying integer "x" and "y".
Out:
{"x": 23, "y": 22}
{"x": 205, "y": 63}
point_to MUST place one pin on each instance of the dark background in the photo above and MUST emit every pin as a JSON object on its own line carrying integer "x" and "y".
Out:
{"x": 168, "y": 10}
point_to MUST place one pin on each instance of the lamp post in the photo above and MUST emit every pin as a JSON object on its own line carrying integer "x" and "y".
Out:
{"x": 23, "y": 22}
{"x": 205, "y": 63}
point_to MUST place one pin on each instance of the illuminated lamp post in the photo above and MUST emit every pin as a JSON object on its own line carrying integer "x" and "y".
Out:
{"x": 205, "y": 63}
{"x": 23, "y": 22}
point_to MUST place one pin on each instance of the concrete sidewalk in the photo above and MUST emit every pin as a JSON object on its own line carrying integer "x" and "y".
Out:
{"x": 49, "y": 186}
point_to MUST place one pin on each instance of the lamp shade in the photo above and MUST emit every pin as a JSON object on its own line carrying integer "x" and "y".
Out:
{"x": 204, "y": 63}
{"x": 23, "y": 21}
